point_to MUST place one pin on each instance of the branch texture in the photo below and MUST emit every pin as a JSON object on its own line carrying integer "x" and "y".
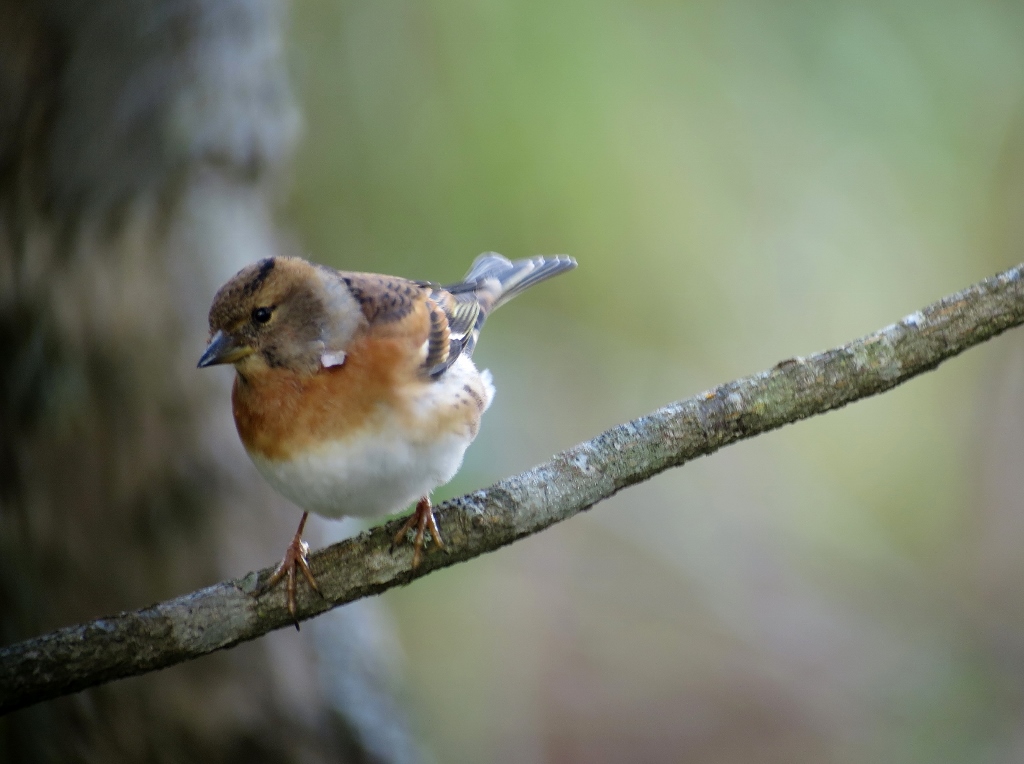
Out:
{"x": 226, "y": 614}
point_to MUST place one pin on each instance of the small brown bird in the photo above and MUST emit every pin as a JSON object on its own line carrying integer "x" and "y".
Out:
{"x": 355, "y": 393}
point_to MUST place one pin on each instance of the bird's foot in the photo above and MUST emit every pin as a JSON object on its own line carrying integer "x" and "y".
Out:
{"x": 422, "y": 518}
{"x": 295, "y": 558}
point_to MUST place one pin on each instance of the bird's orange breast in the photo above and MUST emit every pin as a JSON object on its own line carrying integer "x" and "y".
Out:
{"x": 279, "y": 412}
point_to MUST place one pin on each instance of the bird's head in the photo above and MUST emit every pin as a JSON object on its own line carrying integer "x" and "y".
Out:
{"x": 282, "y": 312}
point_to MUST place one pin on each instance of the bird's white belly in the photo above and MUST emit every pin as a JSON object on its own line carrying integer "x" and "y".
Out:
{"x": 386, "y": 468}
{"x": 370, "y": 474}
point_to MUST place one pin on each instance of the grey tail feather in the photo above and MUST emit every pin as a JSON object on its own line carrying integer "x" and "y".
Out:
{"x": 492, "y": 281}
{"x": 496, "y": 279}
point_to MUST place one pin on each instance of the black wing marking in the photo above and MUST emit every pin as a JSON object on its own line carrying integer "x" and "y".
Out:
{"x": 438, "y": 343}
{"x": 453, "y": 329}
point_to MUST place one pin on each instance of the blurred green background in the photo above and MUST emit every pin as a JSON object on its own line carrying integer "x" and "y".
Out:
{"x": 741, "y": 182}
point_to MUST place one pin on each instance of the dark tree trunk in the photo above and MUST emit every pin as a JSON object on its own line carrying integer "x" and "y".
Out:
{"x": 138, "y": 142}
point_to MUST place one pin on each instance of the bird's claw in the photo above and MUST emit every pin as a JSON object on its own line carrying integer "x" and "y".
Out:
{"x": 422, "y": 519}
{"x": 295, "y": 558}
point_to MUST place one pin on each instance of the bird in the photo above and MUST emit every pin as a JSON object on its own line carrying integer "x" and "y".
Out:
{"x": 355, "y": 394}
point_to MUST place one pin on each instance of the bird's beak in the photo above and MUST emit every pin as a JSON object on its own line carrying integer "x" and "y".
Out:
{"x": 223, "y": 349}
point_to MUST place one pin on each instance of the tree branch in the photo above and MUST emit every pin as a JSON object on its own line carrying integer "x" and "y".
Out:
{"x": 226, "y": 614}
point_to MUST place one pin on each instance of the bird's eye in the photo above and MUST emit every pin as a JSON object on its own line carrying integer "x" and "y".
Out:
{"x": 262, "y": 315}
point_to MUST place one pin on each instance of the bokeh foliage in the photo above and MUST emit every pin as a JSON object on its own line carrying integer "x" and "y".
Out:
{"x": 741, "y": 182}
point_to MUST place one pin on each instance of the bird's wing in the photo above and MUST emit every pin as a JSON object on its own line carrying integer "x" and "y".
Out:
{"x": 453, "y": 328}
{"x": 456, "y": 312}
{"x": 387, "y": 301}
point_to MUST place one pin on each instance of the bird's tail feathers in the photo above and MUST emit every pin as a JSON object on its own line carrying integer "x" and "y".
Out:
{"x": 496, "y": 279}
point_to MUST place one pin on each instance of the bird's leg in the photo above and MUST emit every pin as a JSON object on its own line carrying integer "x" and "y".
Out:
{"x": 294, "y": 557}
{"x": 422, "y": 518}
